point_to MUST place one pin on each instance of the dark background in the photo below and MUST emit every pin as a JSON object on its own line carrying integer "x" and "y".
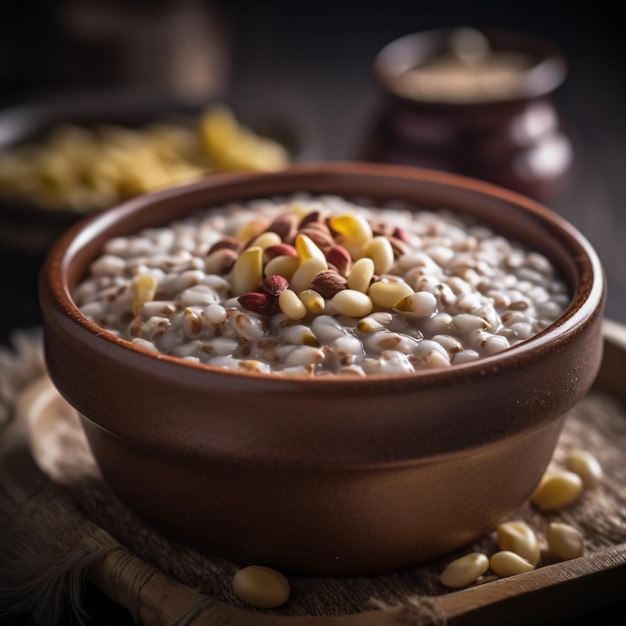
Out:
{"x": 314, "y": 58}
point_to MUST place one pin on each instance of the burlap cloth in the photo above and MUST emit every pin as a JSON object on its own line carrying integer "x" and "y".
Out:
{"x": 71, "y": 488}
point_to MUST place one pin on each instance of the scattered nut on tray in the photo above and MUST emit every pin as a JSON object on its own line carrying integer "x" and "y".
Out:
{"x": 518, "y": 543}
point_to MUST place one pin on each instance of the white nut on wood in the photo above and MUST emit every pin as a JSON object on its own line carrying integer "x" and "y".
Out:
{"x": 520, "y": 538}
{"x": 507, "y": 563}
{"x": 261, "y": 587}
{"x": 464, "y": 571}
{"x": 586, "y": 466}
{"x": 564, "y": 541}
{"x": 557, "y": 490}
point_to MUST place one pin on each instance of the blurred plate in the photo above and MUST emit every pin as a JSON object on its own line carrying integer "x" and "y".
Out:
{"x": 30, "y": 230}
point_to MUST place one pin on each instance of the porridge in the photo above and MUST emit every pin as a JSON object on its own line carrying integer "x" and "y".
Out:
{"x": 319, "y": 285}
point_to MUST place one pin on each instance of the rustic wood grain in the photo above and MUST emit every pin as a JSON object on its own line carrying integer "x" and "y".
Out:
{"x": 548, "y": 595}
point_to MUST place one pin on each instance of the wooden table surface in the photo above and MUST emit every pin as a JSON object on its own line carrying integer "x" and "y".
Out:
{"x": 316, "y": 57}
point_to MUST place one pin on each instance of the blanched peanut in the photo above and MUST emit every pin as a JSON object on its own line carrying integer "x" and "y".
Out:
{"x": 557, "y": 490}
{"x": 247, "y": 271}
{"x": 143, "y": 289}
{"x": 313, "y": 301}
{"x": 386, "y": 294}
{"x": 307, "y": 249}
{"x": 283, "y": 265}
{"x": 303, "y": 276}
{"x": 353, "y": 303}
{"x": 564, "y": 541}
{"x": 291, "y": 305}
{"x": 261, "y": 587}
{"x": 380, "y": 251}
{"x": 520, "y": 538}
{"x": 252, "y": 228}
{"x": 355, "y": 232}
{"x": 265, "y": 240}
{"x": 464, "y": 571}
{"x": 361, "y": 274}
{"x": 586, "y": 466}
{"x": 507, "y": 563}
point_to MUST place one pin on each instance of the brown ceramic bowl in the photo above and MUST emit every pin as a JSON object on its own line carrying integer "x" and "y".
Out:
{"x": 333, "y": 475}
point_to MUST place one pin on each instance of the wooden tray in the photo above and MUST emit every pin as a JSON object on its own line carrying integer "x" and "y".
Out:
{"x": 548, "y": 595}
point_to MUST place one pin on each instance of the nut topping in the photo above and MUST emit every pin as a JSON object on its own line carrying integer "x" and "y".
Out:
{"x": 228, "y": 243}
{"x": 282, "y": 249}
{"x": 258, "y": 302}
{"x": 275, "y": 284}
{"x": 247, "y": 271}
{"x": 322, "y": 286}
{"x": 328, "y": 283}
{"x": 340, "y": 258}
{"x": 284, "y": 226}
{"x": 310, "y": 218}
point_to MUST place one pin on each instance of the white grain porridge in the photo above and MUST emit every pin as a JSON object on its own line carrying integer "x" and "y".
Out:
{"x": 319, "y": 285}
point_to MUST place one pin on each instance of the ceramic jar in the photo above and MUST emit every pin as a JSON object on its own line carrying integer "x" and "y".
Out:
{"x": 492, "y": 116}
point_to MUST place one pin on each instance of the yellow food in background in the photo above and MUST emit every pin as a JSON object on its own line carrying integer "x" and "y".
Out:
{"x": 82, "y": 169}
{"x": 235, "y": 147}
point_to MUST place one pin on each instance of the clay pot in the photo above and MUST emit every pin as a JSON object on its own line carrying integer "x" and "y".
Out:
{"x": 332, "y": 475}
{"x": 516, "y": 139}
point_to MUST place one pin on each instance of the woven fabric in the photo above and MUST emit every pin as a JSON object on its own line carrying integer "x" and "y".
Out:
{"x": 596, "y": 424}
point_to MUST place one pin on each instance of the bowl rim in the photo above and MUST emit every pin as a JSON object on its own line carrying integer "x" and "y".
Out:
{"x": 586, "y": 302}
{"x": 541, "y": 78}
